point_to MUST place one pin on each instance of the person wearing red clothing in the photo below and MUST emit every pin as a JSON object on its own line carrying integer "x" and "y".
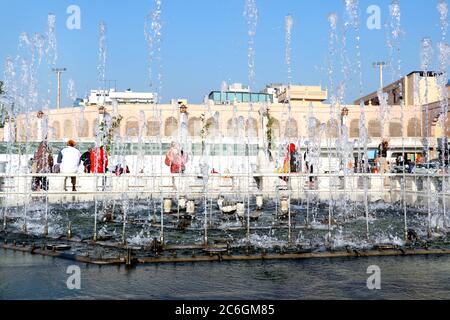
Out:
{"x": 99, "y": 160}
{"x": 176, "y": 159}
{"x": 291, "y": 160}
{"x": 290, "y": 163}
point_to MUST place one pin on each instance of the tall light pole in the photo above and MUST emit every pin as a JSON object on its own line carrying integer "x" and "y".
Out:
{"x": 381, "y": 65}
{"x": 58, "y": 72}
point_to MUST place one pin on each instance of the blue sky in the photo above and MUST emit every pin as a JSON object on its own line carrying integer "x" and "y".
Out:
{"x": 205, "y": 41}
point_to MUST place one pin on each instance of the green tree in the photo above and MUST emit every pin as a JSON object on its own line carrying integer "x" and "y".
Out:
{"x": 1, "y": 88}
{"x": 204, "y": 132}
{"x": 107, "y": 129}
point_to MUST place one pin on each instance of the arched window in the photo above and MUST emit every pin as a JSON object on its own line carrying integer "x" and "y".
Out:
{"x": 332, "y": 129}
{"x": 414, "y": 128}
{"x": 83, "y": 129}
{"x": 68, "y": 129}
{"x": 132, "y": 127}
{"x": 213, "y": 127}
{"x": 374, "y": 129}
{"x": 313, "y": 126}
{"x": 275, "y": 128}
{"x": 171, "y": 127}
{"x": 56, "y": 128}
{"x": 232, "y": 128}
{"x": 291, "y": 130}
{"x": 153, "y": 128}
{"x": 354, "y": 128}
{"x": 251, "y": 128}
{"x": 95, "y": 128}
{"x": 395, "y": 129}
{"x": 194, "y": 127}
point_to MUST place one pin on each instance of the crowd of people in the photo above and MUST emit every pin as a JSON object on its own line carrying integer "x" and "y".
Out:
{"x": 384, "y": 161}
{"x": 293, "y": 163}
{"x": 69, "y": 160}
{"x": 95, "y": 160}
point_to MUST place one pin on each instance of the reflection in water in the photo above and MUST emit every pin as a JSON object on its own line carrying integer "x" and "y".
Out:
{"x": 32, "y": 277}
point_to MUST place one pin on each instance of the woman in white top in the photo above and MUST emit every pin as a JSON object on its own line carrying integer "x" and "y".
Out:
{"x": 69, "y": 160}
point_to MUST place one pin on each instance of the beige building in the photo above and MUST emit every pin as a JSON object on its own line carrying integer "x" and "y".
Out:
{"x": 296, "y": 93}
{"x": 164, "y": 120}
{"x": 416, "y": 89}
{"x": 304, "y": 117}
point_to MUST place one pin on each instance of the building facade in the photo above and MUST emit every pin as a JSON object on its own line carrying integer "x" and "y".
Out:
{"x": 303, "y": 116}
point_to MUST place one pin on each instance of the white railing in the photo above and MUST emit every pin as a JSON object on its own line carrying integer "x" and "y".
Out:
{"x": 230, "y": 183}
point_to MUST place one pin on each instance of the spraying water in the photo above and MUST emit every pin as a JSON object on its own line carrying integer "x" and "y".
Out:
{"x": 289, "y": 22}
{"x": 393, "y": 35}
{"x": 102, "y": 56}
{"x": 332, "y": 20}
{"x": 352, "y": 10}
{"x": 443, "y": 17}
{"x": 51, "y": 50}
{"x": 153, "y": 37}
{"x": 444, "y": 60}
{"x": 333, "y": 128}
{"x": 426, "y": 57}
{"x": 71, "y": 90}
{"x": 394, "y": 32}
{"x": 251, "y": 15}
{"x": 51, "y": 54}
{"x": 21, "y": 83}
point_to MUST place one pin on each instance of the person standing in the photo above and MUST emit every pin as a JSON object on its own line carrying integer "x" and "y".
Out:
{"x": 69, "y": 160}
{"x": 183, "y": 160}
{"x": 382, "y": 154}
{"x": 309, "y": 167}
{"x": 98, "y": 160}
{"x": 42, "y": 163}
{"x": 86, "y": 159}
{"x": 290, "y": 163}
{"x": 176, "y": 159}
{"x": 99, "y": 163}
{"x": 292, "y": 156}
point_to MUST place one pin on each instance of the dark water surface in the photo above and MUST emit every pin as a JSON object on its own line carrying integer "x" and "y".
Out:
{"x": 24, "y": 276}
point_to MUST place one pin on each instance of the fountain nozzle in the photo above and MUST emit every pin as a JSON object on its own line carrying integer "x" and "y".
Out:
{"x": 69, "y": 230}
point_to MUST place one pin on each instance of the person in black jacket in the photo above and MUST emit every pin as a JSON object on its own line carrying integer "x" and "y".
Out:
{"x": 309, "y": 166}
{"x": 86, "y": 158}
{"x": 382, "y": 153}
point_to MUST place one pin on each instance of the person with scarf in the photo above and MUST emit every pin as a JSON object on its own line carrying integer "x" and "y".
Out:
{"x": 291, "y": 161}
{"x": 42, "y": 163}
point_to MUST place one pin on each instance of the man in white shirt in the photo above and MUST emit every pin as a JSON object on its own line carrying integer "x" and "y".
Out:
{"x": 69, "y": 160}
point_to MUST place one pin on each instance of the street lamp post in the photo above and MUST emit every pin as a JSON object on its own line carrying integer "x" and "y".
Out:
{"x": 380, "y": 65}
{"x": 344, "y": 115}
{"x": 58, "y": 72}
